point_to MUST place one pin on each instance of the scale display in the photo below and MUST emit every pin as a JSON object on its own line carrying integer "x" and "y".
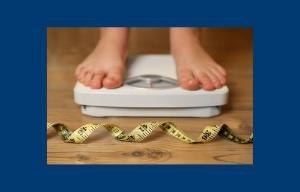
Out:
{"x": 151, "y": 82}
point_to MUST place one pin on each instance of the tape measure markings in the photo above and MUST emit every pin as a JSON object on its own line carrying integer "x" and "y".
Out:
{"x": 144, "y": 130}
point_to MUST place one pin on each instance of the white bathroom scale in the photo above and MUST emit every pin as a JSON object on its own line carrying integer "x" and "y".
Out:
{"x": 150, "y": 89}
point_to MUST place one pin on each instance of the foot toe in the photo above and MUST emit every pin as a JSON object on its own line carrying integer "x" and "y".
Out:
{"x": 78, "y": 70}
{"x": 96, "y": 82}
{"x": 214, "y": 79}
{"x": 220, "y": 76}
{"x": 113, "y": 80}
{"x": 205, "y": 81}
{"x": 187, "y": 80}
{"x": 223, "y": 79}
{"x": 191, "y": 84}
{"x": 221, "y": 70}
{"x": 81, "y": 75}
{"x": 87, "y": 78}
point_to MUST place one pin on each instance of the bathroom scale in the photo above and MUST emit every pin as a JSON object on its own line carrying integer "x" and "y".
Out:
{"x": 150, "y": 89}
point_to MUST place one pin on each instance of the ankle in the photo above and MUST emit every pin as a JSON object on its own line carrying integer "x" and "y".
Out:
{"x": 183, "y": 39}
{"x": 117, "y": 50}
{"x": 114, "y": 40}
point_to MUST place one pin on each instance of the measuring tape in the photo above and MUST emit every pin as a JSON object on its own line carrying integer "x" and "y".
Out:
{"x": 143, "y": 130}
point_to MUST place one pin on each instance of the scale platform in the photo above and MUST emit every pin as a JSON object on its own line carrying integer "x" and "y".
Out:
{"x": 150, "y": 89}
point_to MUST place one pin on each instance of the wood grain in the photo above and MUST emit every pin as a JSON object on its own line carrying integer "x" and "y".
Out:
{"x": 67, "y": 47}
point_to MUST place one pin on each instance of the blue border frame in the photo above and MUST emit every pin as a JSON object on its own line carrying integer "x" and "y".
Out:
{"x": 276, "y": 45}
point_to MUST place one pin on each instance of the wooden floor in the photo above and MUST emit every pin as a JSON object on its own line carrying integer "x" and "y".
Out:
{"x": 66, "y": 48}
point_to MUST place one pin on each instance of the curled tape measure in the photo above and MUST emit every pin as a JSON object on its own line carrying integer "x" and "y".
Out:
{"x": 144, "y": 130}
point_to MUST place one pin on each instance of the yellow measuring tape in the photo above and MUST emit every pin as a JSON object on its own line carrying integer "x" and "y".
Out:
{"x": 143, "y": 130}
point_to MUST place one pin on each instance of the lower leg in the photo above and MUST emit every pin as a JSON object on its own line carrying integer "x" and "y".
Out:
{"x": 194, "y": 66}
{"x": 105, "y": 66}
{"x": 116, "y": 37}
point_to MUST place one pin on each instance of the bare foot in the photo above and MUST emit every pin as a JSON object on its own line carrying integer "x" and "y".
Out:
{"x": 195, "y": 68}
{"x": 105, "y": 66}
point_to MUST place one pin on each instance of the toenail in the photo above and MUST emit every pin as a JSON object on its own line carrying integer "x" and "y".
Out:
{"x": 191, "y": 81}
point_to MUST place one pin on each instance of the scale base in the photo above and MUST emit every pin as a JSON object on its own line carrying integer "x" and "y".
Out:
{"x": 150, "y": 112}
{"x": 150, "y": 90}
